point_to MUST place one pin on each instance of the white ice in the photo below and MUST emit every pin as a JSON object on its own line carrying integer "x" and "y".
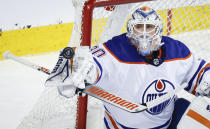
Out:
{"x": 20, "y": 87}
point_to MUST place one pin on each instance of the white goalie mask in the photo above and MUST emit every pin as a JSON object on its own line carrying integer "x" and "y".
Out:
{"x": 144, "y": 29}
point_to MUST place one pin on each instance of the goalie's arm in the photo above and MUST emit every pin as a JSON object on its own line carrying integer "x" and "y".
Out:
{"x": 131, "y": 107}
{"x": 198, "y": 76}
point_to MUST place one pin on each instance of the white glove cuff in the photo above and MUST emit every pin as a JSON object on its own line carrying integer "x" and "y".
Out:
{"x": 204, "y": 86}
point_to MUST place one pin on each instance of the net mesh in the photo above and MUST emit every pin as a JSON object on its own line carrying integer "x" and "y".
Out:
{"x": 51, "y": 109}
{"x": 185, "y": 20}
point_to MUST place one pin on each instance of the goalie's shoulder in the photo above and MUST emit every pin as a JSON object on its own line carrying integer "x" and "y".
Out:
{"x": 175, "y": 49}
{"x": 110, "y": 46}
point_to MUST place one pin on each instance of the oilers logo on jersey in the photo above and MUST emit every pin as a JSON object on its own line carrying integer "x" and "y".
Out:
{"x": 156, "y": 89}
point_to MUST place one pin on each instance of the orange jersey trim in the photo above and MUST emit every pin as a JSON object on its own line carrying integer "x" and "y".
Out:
{"x": 97, "y": 76}
{"x": 112, "y": 120}
{"x": 199, "y": 118}
{"x": 160, "y": 53}
{"x": 144, "y": 62}
{"x": 199, "y": 75}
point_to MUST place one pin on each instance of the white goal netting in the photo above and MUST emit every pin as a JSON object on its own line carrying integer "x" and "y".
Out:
{"x": 185, "y": 20}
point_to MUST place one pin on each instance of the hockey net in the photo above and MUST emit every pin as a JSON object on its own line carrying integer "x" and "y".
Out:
{"x": 185, "y": 20}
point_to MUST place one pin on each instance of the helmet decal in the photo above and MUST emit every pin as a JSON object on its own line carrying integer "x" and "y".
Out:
{"x": 145, "y": 14}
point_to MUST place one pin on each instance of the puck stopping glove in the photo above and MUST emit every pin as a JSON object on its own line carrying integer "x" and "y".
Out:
{"x": 83, "y": 70}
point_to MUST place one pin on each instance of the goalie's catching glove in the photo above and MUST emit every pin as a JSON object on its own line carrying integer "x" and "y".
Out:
{"x": 83, "y": 69}
{"x": 60, "y": 72}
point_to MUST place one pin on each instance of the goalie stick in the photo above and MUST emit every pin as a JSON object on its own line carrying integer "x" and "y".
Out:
{"x": 9, "y": 55}
{"x": 103, "y": 95}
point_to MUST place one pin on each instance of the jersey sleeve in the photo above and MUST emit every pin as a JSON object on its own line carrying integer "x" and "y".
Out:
{"x": 196, "y": 69}
{"x": 101, "y": 59}
{"x": 193, "y": 68}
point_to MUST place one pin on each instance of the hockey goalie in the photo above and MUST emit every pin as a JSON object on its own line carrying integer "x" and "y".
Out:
{"x": 141, "y": 65}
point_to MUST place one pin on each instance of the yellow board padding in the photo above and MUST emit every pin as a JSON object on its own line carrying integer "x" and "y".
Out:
{"x": 35, "y": 40}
